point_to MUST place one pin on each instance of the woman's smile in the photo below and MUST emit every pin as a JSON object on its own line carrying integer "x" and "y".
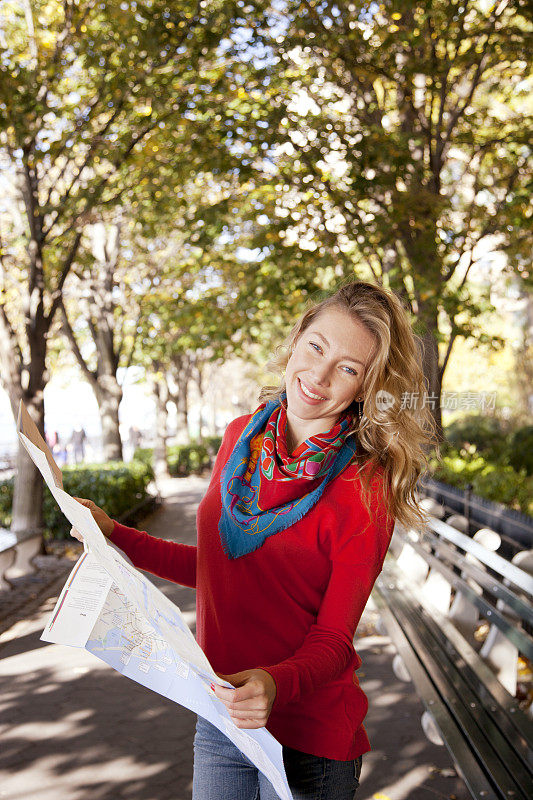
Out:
{"x": 308, "y": 394}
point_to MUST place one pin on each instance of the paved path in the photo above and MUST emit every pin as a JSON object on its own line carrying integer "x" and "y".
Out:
{"x": 73, "y": 729}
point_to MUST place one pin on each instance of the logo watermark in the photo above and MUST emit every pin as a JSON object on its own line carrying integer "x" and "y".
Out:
{"x": 384, "y": 400}
{"x": 451, "y": 401}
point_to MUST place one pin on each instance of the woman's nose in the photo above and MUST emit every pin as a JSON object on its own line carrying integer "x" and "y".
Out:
{"x": 321, "y": 374}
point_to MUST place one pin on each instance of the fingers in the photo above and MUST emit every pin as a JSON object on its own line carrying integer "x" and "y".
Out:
{"x": 223, "y": 693}
{"x": 76, "y": 534}
{"x": 246, "y": 705}
{"x": 239, "y": 695}
{"x": 249, "y": 724}
{"x": 249, "y": 713}
{"x": 84, "y": 502}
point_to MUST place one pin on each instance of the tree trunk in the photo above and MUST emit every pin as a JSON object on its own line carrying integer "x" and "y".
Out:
{"x": 198, "y": 376}
{"x": 524, "y": 356}
{"x": 432, "y": 373}
{"x": 160, "y": 459}
{"x": 180, "y": 372}
{"x": 27, "y": 512}
{"x": 214, "y": 413}
{"x": 99, "y": 313}
{"x": 109, "y": 396}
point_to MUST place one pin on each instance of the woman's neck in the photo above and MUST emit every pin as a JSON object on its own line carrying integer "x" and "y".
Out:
{"x": 298, "y": 431}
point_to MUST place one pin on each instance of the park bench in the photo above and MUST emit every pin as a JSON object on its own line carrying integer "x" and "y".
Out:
{"x": 434, "y": 591}
{"x": 17, "y": 551}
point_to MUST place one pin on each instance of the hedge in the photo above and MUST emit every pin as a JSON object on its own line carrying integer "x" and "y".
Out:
{"x": 491, "y": 438}
{"x": 493, "y": 481}
{"x": 521, "y": 449}
{"x": 116, "y": 487}
{"x": 184, "y": 459}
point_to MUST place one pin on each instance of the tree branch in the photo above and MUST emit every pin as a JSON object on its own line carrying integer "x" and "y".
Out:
{"x": 447, "y": 355}
{"x": 57, "y": 294}
{"x": 69, "y": 333}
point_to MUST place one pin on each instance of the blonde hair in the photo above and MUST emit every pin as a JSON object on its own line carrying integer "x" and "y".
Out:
{"x": 393, "y": 442}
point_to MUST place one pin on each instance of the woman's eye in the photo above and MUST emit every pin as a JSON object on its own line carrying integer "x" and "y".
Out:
{"x": 318, "y": 349}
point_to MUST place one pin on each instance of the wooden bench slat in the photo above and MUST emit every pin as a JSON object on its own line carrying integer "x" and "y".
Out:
{"x": 505, "y": 760}
{"x": 452, "y": 734}
{"x": 504, "y": 568}
{"x": 513, "y": 601}
{"x": 497, "y": 700}
{"x": 521, "y": 639}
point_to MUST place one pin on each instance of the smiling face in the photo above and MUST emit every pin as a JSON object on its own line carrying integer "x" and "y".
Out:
{"x": 325, "y": 373}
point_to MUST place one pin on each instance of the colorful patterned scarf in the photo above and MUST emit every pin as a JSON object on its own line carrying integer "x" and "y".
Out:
{"x": 265, "y": 489}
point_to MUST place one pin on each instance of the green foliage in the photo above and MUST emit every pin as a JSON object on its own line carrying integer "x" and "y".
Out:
{"x": 187, "y": 459}
{"x": 486, "y": 433}
{"x": 213, "y": 443}
{"x": 521, "y": 449}
{"x": 492, "y": 480}
{"x": 356, "y": 129}
{"x": 6, "y": 502}
{"x": 184, "y": 459}
{"x": 457, "y": 469}
{"x": 504, "y": 485}
{"x": 116, "y": 487}
{"x": 144, "y": 456}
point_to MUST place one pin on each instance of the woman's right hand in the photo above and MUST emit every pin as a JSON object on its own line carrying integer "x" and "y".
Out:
{"x": 104, "y": 522}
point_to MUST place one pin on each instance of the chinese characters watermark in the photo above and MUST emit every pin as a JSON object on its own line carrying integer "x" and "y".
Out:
{"x": 450, "y": 401}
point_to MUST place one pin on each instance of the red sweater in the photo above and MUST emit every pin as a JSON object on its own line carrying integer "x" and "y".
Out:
{"x": 291, "y": 607}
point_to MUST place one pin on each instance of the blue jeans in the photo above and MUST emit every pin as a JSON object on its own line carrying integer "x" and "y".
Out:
{"x": 222, "y": 772}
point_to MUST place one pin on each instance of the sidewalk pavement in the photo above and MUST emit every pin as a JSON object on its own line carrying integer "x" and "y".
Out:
{"x": 71, "y": 728}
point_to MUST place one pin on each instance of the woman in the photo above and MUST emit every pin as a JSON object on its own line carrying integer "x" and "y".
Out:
{"x": 292, "y": 534}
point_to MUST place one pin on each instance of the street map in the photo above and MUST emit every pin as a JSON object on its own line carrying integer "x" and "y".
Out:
{"x": 113, "y": 611}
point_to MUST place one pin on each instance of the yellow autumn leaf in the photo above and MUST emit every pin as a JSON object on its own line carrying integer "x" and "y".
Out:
{"x": 47, "y": 40}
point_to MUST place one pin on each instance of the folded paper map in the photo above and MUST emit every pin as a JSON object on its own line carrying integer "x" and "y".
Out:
{"x": 112, "y": 610}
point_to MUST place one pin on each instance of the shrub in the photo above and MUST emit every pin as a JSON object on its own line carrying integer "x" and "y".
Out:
{"x": 493, "y": 481}
{"x": 486, "y": 433}
{"x": 144, "y": 455}
{"x": 6, "y": 502}
{"x": 456, "y": 469}
{"x": 184, "y": 459}
{"x": 115, "y": 487}
{"x": 498, "y": 483}
{"x": 521, "y": 449}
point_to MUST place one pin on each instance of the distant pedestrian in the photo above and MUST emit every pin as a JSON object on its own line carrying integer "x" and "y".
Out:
{"x": 77, "y": 440}
{"x": 135, "y": 437}
{"x": 59, "y": 450}
{"x": 52, "y": 438}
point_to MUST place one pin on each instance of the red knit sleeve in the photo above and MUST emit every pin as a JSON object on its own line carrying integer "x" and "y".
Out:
{"x": 170, "y": 560}
{"x": 359, "y": 546}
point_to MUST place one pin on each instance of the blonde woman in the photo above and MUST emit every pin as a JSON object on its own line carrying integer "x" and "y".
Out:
{"x": 292, "y": 534}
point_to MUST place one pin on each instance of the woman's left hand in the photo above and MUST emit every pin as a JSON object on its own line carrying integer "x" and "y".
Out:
{"x": 250, "y": 703}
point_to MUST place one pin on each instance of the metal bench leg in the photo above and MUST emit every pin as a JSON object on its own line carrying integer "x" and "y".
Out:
{"x": 430, "y": 729}
{"x": 25, "y": 553}
{"x": 437, "y": 591}
{"x": 7, "y": 559}
{"x": 414, "y": 566}
{"x": 502, "y": 656}
{"x": 464, "y": 615}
